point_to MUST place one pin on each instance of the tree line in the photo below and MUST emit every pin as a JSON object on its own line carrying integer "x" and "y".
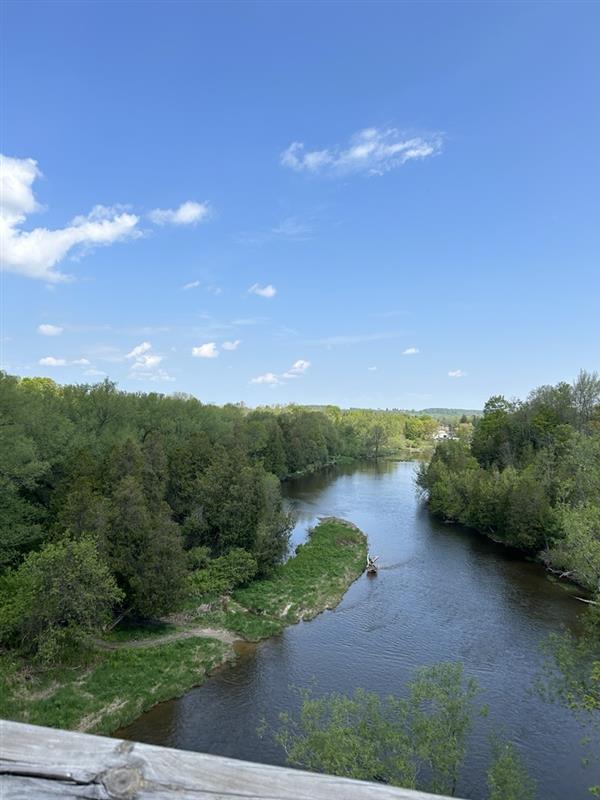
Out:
{"x": 117, "y": 503}
{"x": 529, "y": 476}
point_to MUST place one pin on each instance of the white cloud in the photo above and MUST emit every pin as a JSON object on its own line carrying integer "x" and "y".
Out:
{"x": 190, "y": 285}
{"x": 268, "y": 378}
{"x": 208, "y": 350}
{"x": 297, "y": 369}
{"x": 82, "y": 361}
{"x": 372, "y": 151}
{"x": 50, "y": 330}
{"x": 263, "y": 291}
{"x": 410, "y": 351}
{"x": 16, "y": 195}
{"x": 36, "y": 253}
{"x": 146, "y": 364}
{"x": 189, "y": 213}
{"x": 139, "y": 350}
{"x": 94, "y": 372}
{"x": 372, "y": 369}
{"x": 231, "y": 345}
{"x": 456, "y": 373}
{"x": 148, "y": 361}
{"x": 51, "y": 361}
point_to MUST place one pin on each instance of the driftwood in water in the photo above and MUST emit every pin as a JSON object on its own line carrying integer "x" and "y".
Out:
{"x": 371, "y": 565}
{"x": 38, "y": 763}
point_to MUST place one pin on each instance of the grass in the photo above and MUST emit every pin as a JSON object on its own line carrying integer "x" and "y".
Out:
{"x": 127, "y": 631}
{"x": 313, "y": 580}
{"x": 116, "y": 686}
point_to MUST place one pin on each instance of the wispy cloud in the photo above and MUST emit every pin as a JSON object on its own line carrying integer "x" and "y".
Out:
{"x": 139, "y": 350}
{"x": 50, "y": 330}
{"x": 250, "y": 321}
{"x": 231, "y": 345}
{"x": 51, "y": 361}
{"x": 372, "y": 151}
{"x": 290, "y": 229}
{"x": 297, "y": 369}
{"x": 410, "y": 351}
{"x": 208, "y": 350}
{"x": 334, "y": 341}
{"x": 456, "y": 373}
{"x": 263, "y": 291}
{"x": 155, "y": 375}
{"x": 191, "y": 285}
{"x": 146, "y": 364}
{"x": 372, "y": 369}
{"x": 189, "y": 213}
{"x": 268, "y": 378}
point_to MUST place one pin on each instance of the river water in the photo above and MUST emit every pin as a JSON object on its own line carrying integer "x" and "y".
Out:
{"x": 442, "y": 594}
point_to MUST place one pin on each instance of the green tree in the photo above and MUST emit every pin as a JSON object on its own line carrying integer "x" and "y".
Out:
{"x": 145, "y": 551}
{"x": 507, "y": 777}
{"x": 406, "y": 742}
{"x": 56, "y": 600}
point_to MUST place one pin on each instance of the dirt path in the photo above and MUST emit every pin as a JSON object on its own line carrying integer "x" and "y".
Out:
{"x": 189, "y": 633}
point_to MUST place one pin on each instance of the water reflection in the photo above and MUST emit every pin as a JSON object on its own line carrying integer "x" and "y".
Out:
{"x": 442, "y": 593}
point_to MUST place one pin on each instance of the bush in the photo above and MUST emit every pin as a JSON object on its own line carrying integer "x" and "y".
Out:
{"x": 223, "y": 574}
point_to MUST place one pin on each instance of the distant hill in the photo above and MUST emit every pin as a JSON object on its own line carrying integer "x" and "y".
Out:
{"x": 448, "y": 415}
{"x": 450, "y": 412}
{"x": 443, "y": 414}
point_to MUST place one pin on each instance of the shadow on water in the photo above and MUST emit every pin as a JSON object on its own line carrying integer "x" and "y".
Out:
{"x": 442, "y": 593}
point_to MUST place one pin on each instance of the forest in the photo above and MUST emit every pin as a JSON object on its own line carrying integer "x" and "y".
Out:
{"x": 117, "y": 505}
{"x": 529, "y": 477}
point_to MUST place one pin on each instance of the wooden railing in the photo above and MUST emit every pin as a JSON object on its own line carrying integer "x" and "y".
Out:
{"x": 46, "y": 763}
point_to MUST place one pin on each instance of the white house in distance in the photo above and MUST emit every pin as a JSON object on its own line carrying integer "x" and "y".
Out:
{"x": 442, "y": 434}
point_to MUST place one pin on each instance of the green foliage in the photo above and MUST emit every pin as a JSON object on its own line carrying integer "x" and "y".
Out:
{"x": 222, "y": 574}
{"x": 152, "y": 478}
{"x": 197, "y": 557}
{"x": 317, "y": 576}
{"x": 312, "y": 580}
{"x": 571, "y": 673}
{"x": 417, "y": 741}
{"x": 56, "y": 600}
{"x": 577, "y": 552}
{"x": 530, "y": 476}
{"x": 114, "y": 689}
{"x": 144, "y": 551}
{"x": 507, "y": 777}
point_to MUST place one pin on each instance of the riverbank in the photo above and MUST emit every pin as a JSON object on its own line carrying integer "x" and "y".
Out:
{"x": 130, "y": 671}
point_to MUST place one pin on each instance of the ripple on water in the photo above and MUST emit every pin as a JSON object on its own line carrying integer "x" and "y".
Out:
{"x": 442, "y": 593}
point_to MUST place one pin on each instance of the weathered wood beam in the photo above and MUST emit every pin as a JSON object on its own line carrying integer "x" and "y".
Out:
{"x": 38, "y": 763}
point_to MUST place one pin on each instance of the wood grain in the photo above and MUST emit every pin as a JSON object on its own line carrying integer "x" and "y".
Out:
{"x": 40, "y": 763}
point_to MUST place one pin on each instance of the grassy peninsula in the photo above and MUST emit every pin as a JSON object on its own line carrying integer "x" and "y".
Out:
{"x": 129, "y": 670}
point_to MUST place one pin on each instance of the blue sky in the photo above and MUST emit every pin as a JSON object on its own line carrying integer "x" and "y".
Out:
{"x": 387, "y": 205}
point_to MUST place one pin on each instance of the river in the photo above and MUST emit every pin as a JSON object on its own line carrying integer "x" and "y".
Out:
{"x": 442, "y": 593}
